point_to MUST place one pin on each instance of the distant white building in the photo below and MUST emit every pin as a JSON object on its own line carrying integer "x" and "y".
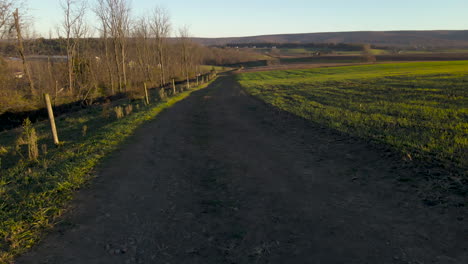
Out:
{"x": 19, "y": 75}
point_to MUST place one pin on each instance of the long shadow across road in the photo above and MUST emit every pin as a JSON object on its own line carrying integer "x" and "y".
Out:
{"x": 224, "y": 178}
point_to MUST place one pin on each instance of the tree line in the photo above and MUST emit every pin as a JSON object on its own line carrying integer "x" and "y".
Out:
{"x": 116, "y": 55}
{"x": 317, "y": 46}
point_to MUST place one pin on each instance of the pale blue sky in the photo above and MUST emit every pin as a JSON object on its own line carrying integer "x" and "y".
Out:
{"x": 218, "y": 18}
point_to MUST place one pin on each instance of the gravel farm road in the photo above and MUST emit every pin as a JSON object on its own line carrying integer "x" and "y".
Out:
{"x": 222, "y": 177}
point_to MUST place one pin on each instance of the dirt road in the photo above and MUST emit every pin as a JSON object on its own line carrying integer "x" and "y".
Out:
{"x": 223, "y": 178}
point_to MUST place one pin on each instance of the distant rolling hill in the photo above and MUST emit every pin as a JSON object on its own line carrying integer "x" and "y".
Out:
{"x": 428, "y": 39}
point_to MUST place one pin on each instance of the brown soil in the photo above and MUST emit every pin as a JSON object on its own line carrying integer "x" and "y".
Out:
{"x": 311, "y": 65}
{"x": 298, "y": 66}
{"x": 386, "y": 57}
{"x": 224, "y": 178}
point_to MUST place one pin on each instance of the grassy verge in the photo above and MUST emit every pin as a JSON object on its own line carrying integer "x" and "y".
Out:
{"x": 421, "y": 109}
{"x": 33, "y": 194}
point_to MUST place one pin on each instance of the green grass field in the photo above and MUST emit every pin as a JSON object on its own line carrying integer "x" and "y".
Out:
{"x": 33, "y": 194}
{"x": 298, "y": 51}
{"x": 320, "y": 60}
{"x": 207, "y": 68}
{"x": 421, "y": 109}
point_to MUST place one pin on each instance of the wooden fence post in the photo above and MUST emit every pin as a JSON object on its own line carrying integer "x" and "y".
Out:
{"x": 146, "y": 95}
{"x": 173, "y": 86}
{"x": 188, "y": 83}
{"x": 51, "y": 119}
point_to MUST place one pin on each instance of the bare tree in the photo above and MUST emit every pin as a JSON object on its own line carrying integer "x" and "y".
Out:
{"x": 18, "y": 26}
{"x": 160, "y": 28}
{"x": 115, "y": 16}
{"x": 367, "y": 54}
{"x": 108, "y": 58}
{"x": 103, "y": 16}
{"x": 109, "y": 64}
{"x": 184, "y": 39}
{"x": 141, "y": 34}
{"x": 84, "y": 57}
{"x": 6, "y": 15}
{"x": 73, "y": 28}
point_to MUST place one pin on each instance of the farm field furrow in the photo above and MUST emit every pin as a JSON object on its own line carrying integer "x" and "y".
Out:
{"x": 421, "y": 109}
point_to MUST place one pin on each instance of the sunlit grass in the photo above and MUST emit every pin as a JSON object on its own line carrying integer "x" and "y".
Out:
{"x": 418, "y": 108}
{"x": 34, "y": 193}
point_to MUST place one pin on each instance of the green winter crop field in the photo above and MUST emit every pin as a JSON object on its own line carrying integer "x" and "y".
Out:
{"x": 421, "y": 109}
